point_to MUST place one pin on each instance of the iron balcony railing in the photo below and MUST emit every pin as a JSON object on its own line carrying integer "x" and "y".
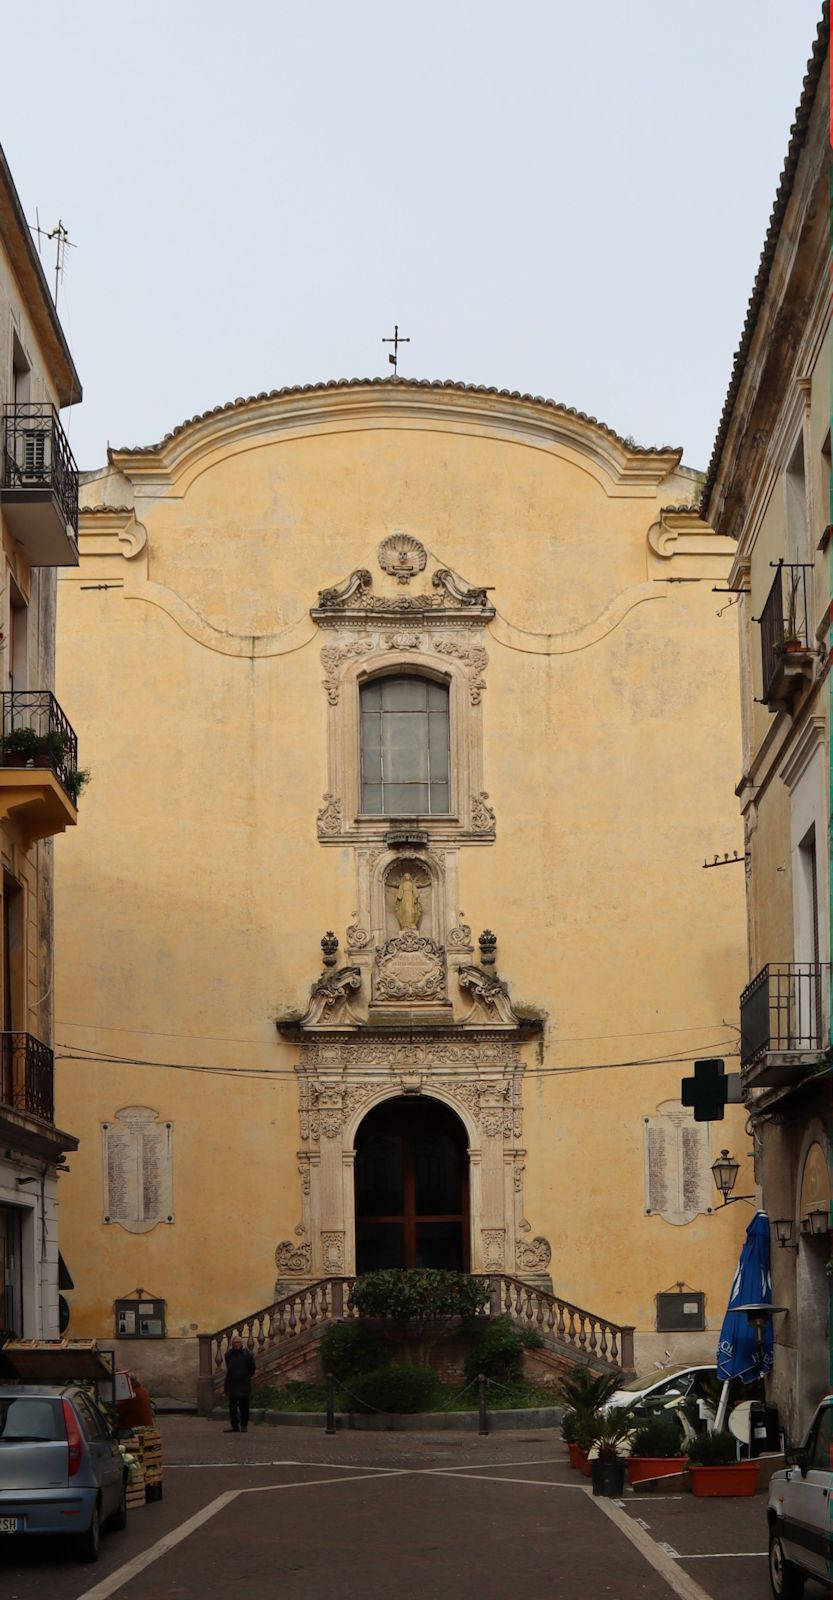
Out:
{"x": 27, "y": 1076}
{"x": 784, "y": 623}
{"x": 783, "y": 1009}
{"x": 35, "y": 733}
{"x": 36, "y": 455}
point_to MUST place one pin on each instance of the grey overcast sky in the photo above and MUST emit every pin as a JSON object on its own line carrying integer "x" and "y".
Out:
{"x": 557, "y": 196}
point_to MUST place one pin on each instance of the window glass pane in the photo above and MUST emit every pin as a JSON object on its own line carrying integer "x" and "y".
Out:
{"x": 372, "y": 697}
{"x": 438, "y": 697}
{"x": 380, "y": 1176}
{"x": 439, "y": 1244}
{"x": 438, "y": 1166}
{"x": 438, "y": 745}
{"x": 371, "y": 730}
{"x": 404, "y": 694}
{"x": 372, "y": 799}
{"x": 379, "y": 1244}
{"x": 440, "y": 803}
{"x": 406, "y": 799}
{"x": 404, "y": 746}
{"x": 820, "y": 1460}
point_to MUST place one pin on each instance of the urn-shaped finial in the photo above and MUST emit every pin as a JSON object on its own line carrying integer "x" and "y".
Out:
{"x": 329, "y": 945}
{"x": 488, "y": 946}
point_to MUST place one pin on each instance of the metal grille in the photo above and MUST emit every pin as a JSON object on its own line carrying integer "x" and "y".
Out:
{"x": 783, "y": 622}
{"x": 783, "y": 1009}
{"x": 27, "y": 1075}
{"x": 46, "y": 738}
{"x": 36, "y": 455}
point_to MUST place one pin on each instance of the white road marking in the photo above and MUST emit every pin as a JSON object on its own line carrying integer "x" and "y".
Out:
{"x": 269, "y": 1488}
{"x": 131, "y": 1569}
{"x": 534, "y": 1461}
{"x": 679, "y": 1581}
{"x": 669, "y": 1549}
{"x": 723, "y": 1555}
{"x": 542, "y": 1483}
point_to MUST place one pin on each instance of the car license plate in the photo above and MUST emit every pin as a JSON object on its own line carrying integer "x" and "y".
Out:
{"x": 12, "y": 1524}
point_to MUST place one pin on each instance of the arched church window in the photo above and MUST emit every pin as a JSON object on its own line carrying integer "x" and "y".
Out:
{"x": 405, "y": 747}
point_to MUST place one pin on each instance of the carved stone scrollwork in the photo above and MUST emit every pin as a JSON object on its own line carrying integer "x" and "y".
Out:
{"x": 329, "y": 817}
{"x": 493, "y": 1249}
{"x": 533, "y": 1255}
{"x": 334, "y": 655}
{"x": 291, "y": 1257}
{"x": 474, "y": 658}
{"x": 482, "y": 816}
{"x": 340, "y": 594}
{"x": 410, "y": 967}
{"x": 463, "y": 594}
{"x": 489, "y": 990}
{"x": 459, "y": 937}
{"x": 358, "y": 938}
{"x": 332, "y": 1250}
{"x": 331, "y": 994}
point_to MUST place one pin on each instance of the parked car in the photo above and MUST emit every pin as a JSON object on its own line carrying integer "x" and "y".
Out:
{"x": 61, "y": 1470}
{"x": 650, "y": 1392}
{"x": 799, "y": 1511}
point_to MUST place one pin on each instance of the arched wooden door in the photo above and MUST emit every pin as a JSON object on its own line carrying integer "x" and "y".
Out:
{"x": 412, "y": 1187}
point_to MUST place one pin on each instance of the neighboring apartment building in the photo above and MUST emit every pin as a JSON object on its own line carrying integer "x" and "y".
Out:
{"x": 38, "y": 766}
{"x": 768, "y": 487}
{"x": 397, "y": 663}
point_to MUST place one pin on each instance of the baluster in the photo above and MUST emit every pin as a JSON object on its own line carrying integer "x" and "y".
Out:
{"x": 540, "y": 1314}
{"x": 593, "y": 1339}
{"x": 582, "y": 1336}
{"x": 560, "y": 1323}
{"x": 528, "y": 1308}
{"x": 550, "y": 1316}
{"x": 282, "y": 1319}
{"x": 218, "y": 1351}
{"x": 261, "y": 1339}
{"x": 614, "y": 1347}
{"x": 603, "y": 1339}
{"x": 313, "y": 1310}
{"x": 507, "y": 1297}
{"x": 293, "y": 1320}
{"x": 571, "y": 1326}
{"x": 303, "y": 1305}
{"x": 270, "y": 1337}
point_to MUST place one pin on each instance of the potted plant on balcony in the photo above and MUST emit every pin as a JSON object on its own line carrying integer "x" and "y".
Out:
{"x": 792, "y": 641}
{"x": 76, "y": 782}
{"x": 715, "y": 1469}
{"x": 656, "y": 1450}
{"x": 610, "y": 1434}
{"x": 19, "y": 747}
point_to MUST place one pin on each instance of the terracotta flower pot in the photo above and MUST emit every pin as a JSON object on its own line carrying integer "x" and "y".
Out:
{"x": 739, "y": 1478}
{"x": 583, "y": 1462}
{"x": 575, "y": 1455}
{"x": 642, "y": 1467}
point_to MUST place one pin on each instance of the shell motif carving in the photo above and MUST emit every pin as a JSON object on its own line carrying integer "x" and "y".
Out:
{"x": 402, "y": 557}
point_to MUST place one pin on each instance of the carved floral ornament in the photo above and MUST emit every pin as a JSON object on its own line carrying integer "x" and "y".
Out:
{"x": 474, "y": 657}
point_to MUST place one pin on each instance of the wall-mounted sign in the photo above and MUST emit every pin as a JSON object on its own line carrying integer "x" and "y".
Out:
{"x": 140, "y": 1319}
{"x": 681, "y": 1311}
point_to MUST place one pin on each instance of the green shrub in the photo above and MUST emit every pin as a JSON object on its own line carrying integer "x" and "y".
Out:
{"x": 586, "y": 1390}
{"x": 712, "y": 1450}
{"x": 662, "y": 1436}
{"x": 348, "y": 1348}
{"x": 422, "y": 1294}
{"x": 569, "y": 1426}
{"x": 397, "y": 1389}
{"x": 498, "y": 1350}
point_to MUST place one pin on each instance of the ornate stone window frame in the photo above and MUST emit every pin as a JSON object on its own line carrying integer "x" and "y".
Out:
{"x": 449, "y": 655}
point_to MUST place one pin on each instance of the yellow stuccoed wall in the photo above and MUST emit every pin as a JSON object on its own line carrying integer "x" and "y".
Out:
{"x": 193, "y": 895}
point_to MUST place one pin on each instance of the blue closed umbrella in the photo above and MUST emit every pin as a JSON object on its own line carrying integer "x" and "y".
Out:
{"x": 739, "y": 1353}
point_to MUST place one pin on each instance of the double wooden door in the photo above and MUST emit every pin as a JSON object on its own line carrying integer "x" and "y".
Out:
{"x": 412, "y": 1191}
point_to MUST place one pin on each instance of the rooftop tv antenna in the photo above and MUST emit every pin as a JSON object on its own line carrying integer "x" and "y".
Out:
{"x": 62, "y": 242}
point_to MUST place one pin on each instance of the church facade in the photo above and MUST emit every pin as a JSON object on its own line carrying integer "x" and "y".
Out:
{"x": 408, "y": 712}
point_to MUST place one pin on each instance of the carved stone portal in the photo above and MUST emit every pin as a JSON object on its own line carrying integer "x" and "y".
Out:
{"x": 478, "y": 1075}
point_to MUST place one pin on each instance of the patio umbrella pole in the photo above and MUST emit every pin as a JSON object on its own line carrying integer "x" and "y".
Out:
{"x": 722, "y": 1407}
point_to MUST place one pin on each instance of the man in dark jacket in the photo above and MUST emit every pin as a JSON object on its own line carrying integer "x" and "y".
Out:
{"x": 240, "y": 1367}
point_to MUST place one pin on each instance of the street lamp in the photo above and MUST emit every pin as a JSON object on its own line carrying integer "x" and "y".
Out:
{"x": 783, "y": 1232}
{"x": 819, "y": 1221}
{"x": 725, "y": 1173}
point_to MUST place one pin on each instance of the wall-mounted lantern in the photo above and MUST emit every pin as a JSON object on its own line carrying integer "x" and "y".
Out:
{"x": 783, "y": 1232}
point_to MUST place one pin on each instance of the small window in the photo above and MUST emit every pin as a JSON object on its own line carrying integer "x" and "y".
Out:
{"x": 819, "y": 1455}
{"x": 405, "y": 748}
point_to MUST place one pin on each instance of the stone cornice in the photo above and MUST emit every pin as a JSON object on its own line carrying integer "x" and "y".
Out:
{"x": 621, "y": 468}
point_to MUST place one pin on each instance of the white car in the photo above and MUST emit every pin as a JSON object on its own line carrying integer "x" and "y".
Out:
{"x": 799, "y": 1512}
{"x": 650, "y": 1392}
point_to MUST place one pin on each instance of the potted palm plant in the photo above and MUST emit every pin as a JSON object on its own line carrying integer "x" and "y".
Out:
{"x": 656, "y": 1450}
{"x": 584, "y": 1393}
{"x": 610, "y": 1433}
{"x": 714, "y": 1467}
{"x": 20, "y": 746}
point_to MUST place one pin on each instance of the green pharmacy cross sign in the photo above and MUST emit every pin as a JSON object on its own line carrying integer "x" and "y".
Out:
{"x": 707, "y": 1091}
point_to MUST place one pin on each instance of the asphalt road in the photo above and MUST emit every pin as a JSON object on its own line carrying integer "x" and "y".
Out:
{"x": 417, "y": 1516}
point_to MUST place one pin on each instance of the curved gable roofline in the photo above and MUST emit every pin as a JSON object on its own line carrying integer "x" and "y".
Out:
{"x": 348, "y": 401}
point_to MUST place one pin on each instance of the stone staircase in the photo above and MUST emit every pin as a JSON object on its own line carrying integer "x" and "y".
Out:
{"x": 284, "y": 1336}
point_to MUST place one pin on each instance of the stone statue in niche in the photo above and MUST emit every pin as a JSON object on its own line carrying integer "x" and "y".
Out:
{"x": 407, "y": 903}
{"x": 408, "y": 899}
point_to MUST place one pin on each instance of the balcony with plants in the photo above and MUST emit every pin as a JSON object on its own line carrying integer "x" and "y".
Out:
{"x": 39, "y": 485}
{"x": 788, "y": 652}
{"x": 40, "y": 780}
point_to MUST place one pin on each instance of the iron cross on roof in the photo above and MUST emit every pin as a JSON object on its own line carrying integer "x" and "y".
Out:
{"x": 396, "y": 341}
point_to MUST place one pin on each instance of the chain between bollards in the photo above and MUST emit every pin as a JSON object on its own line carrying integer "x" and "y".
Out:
{"x": 483, "y": 1421}
{"x": 331, "y": 1404}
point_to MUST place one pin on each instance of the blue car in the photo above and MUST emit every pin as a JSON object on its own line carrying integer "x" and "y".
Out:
{"x": 61, "y": 1470}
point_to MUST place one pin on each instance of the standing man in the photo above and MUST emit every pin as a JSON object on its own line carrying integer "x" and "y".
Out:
{"x": 240, "y": 1368}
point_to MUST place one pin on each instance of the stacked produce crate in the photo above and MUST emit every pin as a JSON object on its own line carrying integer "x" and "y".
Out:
{"x": 149, "y": 1444}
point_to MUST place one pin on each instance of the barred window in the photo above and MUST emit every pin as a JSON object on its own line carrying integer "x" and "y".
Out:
{"x": 405, "y": 747}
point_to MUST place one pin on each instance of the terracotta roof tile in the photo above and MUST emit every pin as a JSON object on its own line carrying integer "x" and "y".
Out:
{"x": 398, "y": 382}
{"x": 798, "y": 134}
